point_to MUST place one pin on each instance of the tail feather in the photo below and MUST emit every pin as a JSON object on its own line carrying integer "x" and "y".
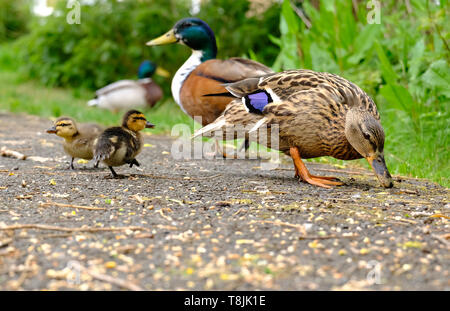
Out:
{"x": 241, "y": 88}
{"x": 208, "y": 129}
{"x": 93, "y": 102}
{"x": 100, "y": 157}
{"x": 103, "y": 148}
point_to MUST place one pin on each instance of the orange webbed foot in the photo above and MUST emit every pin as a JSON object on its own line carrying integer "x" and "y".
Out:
{"x": 303, "y": 174}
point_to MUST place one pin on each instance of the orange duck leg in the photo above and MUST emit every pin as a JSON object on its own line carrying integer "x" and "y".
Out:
{"x": 302, "y": 172}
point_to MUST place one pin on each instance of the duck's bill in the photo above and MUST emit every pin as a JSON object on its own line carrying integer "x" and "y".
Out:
{"x": 379, "y": 166}
{"x": 51, "y": 130}
{"x": 162, "y": 72}
{"x": 167, "y": 38}
{"x": 149, "y": 125}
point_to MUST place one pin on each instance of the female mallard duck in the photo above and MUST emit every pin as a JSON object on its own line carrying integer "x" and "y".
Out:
{"x": 202, "y": 74}
{"x": 127, "y": 94}
{"x": 120, "y": 145}
{"x": 318, "y": 114}
{"x": 78, "y": 138}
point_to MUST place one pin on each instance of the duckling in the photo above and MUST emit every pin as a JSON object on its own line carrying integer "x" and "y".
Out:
{"x": 78, "y": 138}
{"x": 127, "y": 94}
{"x": 317, "y": 113}
{"x": 120, "y": 145}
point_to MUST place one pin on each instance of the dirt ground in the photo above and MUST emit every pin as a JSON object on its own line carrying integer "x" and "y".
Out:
{"x": 209, "y": 224}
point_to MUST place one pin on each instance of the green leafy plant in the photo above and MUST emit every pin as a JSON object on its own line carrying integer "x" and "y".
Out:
{"x": 14, "y": 17}
{"x": 109, "y": 42}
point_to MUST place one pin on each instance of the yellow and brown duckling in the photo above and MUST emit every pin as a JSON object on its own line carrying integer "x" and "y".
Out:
{"x": 318, "y": 114}
{"x": 78, "y": 137}
{"x": 120, "y": 145}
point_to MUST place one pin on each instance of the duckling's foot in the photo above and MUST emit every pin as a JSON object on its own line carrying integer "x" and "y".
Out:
{"x": 303, "y": 174}
{"x": 71, "y": 167}
{"x": 114, "y": 174}
{"x": 115, "y": 177}
{"x": 135, "y": 162}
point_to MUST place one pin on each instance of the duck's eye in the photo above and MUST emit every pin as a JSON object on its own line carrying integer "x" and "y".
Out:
{"x": 188, "y": 24}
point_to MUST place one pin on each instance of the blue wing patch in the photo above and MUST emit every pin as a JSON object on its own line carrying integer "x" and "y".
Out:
{"x": 256, "y": 102}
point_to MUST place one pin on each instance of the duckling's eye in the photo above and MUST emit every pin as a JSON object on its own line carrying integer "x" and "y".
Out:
{"x": 139, "y": 118}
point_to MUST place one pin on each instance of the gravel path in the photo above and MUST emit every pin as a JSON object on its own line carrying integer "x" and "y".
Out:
{"x": 209, "y": 224}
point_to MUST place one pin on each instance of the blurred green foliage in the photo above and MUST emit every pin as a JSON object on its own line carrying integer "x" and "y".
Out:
{"x": 109, "y": 42}
{"x": 14, "y": 18}
{"x": 241, "y": 30}
{"x": 107, "y": 45}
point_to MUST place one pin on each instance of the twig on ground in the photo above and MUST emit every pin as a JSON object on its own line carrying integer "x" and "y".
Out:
{"x": 107, "y": 278}
{"x": 441, "y": 239}
{"x": 71, "y": 206}
{"x": 5, "y": 242}
{"x": 5, "y": 152}
{"x": 164, "y": 216}
{"x": 68, "y": 229}
{"x": 280, "y": 223}
{"x": 176, "y": 178}
{"x": 324, "y": 237}
{"x": 238, "y": 212}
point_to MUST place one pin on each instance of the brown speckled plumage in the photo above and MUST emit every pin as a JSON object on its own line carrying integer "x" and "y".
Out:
{"x": 120, "y": 145}
{"x": 318, "y": 113}
{"x": 311, "y": 114}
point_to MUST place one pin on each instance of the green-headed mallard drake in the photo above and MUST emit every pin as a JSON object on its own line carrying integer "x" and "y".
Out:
{"x": 127, "y": 94}
{"x": 120, "y": 145}
{"x": 78, "y": 137}
{"x": 318, "y": 114}
{"x": 202, "y": 74}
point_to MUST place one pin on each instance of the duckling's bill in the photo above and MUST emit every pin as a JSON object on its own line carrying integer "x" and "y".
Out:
{"x": 149, "y": 125}
{"x": 51, "y": 130}
{"x": 162, "y": 72}
{"x": 167, "y": 38}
